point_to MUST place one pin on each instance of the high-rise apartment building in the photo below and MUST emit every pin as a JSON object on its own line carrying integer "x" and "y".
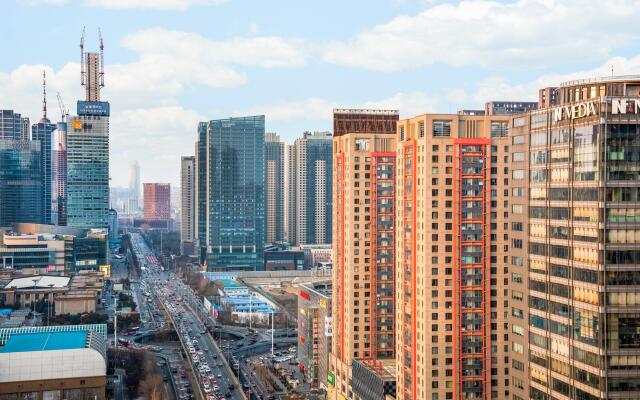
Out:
{"x": 452, "y": 252}
{"x": 187, "y": 204}
{"x": 134, "y": 187}
{"x": 157, "y": 202}
{"x": 364, "y": 164}
{"x": 309, "y": 189}
{"x": 574, "y": 273}
{"x": 231, "y": 176}
{"x": 13, "y": 125}
{"x": 88, "y": 150}
{"x": 274, "y": 187}
{"x": 290, "y": 192}
{"x": 20, "y": 182}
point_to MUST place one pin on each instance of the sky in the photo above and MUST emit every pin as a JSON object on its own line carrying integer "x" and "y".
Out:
{"x": 172, "y": 63}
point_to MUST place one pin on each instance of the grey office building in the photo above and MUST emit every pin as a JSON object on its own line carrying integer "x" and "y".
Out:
{"x": 235, "y": 205}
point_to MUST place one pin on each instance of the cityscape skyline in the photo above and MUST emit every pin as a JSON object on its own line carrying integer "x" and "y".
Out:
{"x": 250, "y": 82}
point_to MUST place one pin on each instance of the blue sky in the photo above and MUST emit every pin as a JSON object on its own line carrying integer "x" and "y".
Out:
{"x": 171, "y": 63}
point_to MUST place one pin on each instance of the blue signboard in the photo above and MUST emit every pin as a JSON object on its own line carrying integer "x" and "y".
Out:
{"x": 95, "y": 108}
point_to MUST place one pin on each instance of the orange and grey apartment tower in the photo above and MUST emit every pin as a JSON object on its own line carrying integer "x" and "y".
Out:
{"x": 452, "y": 180}
{"x": 363, "y": 243}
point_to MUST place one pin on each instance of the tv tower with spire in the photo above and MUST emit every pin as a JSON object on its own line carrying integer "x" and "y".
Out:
{"x": 42, "y": 132}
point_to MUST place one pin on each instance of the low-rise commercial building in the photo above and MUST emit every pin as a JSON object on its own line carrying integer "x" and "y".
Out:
{"x": 53, "y": 364}
{"x": 315, "y": 329}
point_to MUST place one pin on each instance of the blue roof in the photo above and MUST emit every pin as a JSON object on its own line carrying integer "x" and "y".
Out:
{"x": 45, "y": 341}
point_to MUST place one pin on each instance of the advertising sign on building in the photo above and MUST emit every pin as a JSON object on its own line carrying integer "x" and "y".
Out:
{"x": 328, "y": 326}
{"x": 331, "y": 379}
{"x": 94, "y": 108}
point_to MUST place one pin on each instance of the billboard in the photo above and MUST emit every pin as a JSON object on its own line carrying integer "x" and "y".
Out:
{"x": 328, "y": 326}
{"x": 106, "y": 270}
{"x": 95, "y": 108}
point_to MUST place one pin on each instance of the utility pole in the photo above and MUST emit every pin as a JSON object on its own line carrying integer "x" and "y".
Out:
{"x": 272, "y": 329}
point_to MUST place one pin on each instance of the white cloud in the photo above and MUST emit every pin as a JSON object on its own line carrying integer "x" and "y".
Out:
{"x": 42, "y": 2}
{"x": 147, "y": 120}
{"x": 262, "y": 51}
{"x": 318, "y": 109}
{"x": 156, "y": 136}
{"x": 165, "y": 5}
{"x": 496, "y": 88}
{"x": 312, "y": 109}
{"x": 520, "y": 34}
{"x": 409, "y": 104}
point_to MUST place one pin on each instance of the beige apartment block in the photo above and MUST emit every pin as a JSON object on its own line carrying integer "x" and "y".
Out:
{"x": 363, "y": 240}
{"x": 452, "y": 247}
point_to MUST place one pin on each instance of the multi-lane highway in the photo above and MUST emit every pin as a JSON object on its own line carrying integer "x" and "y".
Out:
{"x": 212, "y": 373}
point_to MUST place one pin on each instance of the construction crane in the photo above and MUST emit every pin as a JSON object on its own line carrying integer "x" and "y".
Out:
{"x": 101, "y": 58}
{"x": 82, "y": 72}
{"x": 64, "y": 112}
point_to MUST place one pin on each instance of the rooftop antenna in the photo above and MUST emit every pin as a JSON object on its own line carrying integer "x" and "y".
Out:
{"x": 612, "y": 70}
{"x": 82, "y": 71}
{"x": 101, "y": 58}
{"x": 44, "y": 94}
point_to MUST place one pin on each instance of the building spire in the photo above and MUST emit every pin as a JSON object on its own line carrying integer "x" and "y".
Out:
{"x": 44, "y": 94}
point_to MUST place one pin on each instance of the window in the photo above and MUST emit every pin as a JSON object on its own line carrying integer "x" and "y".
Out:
{"x": 499, "y": 129}
{"x": 441, "y": 128}
{"x": 518, "y": 174}
{"x": 516, "y": 208}
{"x": 517, "y": 139}
{"x": 518, "y": 122}
{"x": 518, "y": 192}
{"x": 517, "y": 157}
{"x": 421, "y": 128}
{"x": 362, "y": 144}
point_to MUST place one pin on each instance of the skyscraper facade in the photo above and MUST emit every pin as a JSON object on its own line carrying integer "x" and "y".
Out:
{"x": 20, "y": 182}
{"x": 59, "y": 176}
{"x": 187, "y": 204}
{"x": 201, "y": 191}
{"x": 452, "y": 257}
{"x": 311, "y": 222}
{"x": 157, "y": 202}
{"x": 574, "y": 281}
{"x": 134, "y": 186}
{"x": 274, "y": 187}
{"x": 88, "y": 171}
{"x": 43, "y": 133}
{"x": 88, "y": 150}
{"x": 363, "y": 247}
{"x": 290, "y": 192}
{"x": 235, "y": 205}
{"x": 13, "y": 125}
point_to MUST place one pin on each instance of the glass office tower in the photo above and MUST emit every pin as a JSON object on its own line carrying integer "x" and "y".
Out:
{"x": 43, "y": 133}
{"x": 235, "y": 211}
{"x": 88, "y": 171}
{"x": 20, "y": 182}
{"x": 579, "y": 194}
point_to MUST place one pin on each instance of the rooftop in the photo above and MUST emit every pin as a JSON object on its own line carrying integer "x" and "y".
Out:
{"x": 39, "y": 282}
{"x": 364, "y": 111}
{"x": 45, "y": 341}
{"x": 620, "y": 78}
